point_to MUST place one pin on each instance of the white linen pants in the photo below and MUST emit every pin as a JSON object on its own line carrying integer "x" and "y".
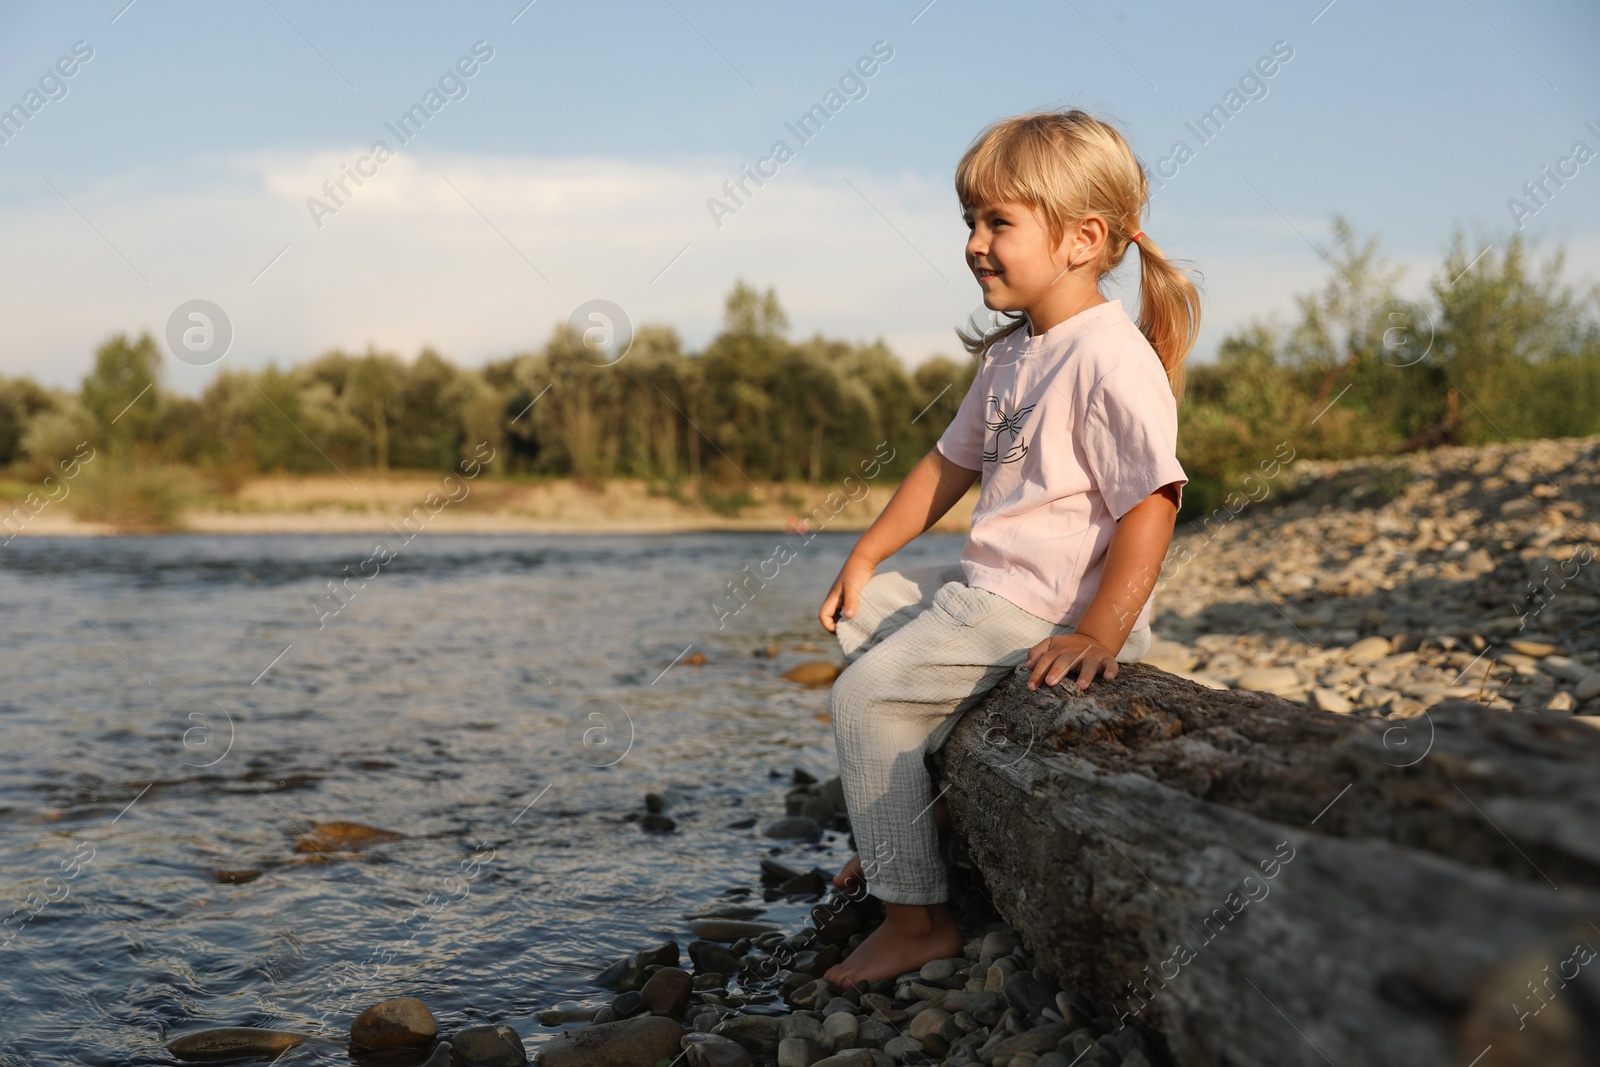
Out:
{"x": 923, "y": 648}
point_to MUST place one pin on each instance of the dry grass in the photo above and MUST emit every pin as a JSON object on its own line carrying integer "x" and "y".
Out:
{"x": 369, "y": 500}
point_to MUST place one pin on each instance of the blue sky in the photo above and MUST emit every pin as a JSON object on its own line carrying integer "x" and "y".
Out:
{"x": 579, "y": 161}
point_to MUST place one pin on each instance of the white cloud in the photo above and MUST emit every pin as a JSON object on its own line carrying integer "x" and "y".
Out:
{"x": 408, "y": 262}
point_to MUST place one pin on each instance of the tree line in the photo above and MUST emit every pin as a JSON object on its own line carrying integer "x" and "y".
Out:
{"x": 1500, "y": 345}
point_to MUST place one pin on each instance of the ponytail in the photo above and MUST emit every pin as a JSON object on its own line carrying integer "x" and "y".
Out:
{"x": 1169, "y": 311}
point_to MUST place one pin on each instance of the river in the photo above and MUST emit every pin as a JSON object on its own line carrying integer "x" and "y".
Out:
{"x": 177, "y": 709}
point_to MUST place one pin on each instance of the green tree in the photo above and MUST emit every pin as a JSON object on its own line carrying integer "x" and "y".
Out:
{"x": 121, "y": 394}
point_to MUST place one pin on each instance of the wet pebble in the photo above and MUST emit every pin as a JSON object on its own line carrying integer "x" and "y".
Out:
{"x": 667, "y": 991}
{"x": 404, "y": 1022}
{"x": 488, "y": 1046}
{"x": 636, "y": 1042}
{"x": 228, "y": 1041}
{"x": 794, "y": 827}
{"x": 711, "y": 1050}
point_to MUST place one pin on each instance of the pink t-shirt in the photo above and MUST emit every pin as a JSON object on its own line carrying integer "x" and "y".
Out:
{"x": 1071, "y": 429}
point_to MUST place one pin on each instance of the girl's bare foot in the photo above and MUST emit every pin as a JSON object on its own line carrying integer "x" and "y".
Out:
{"x": 851, "y": 873}
{"x": 909, "y": 937}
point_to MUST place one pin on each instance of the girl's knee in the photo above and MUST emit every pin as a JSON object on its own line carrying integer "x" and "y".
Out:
{"x": 853, "y": 699}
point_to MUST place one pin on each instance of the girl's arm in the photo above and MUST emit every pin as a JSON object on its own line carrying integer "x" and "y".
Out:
{"x": 1133, "y": 562}
{"x": 931, "y": 489}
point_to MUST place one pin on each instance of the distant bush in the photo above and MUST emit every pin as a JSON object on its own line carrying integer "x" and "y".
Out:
{"x": 132, "y": 497}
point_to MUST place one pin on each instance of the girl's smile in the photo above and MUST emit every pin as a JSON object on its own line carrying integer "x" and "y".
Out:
{"x": 1020, "y": 269}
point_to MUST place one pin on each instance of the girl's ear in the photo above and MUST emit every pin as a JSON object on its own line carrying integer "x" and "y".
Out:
{"x": 1087, "y": 238}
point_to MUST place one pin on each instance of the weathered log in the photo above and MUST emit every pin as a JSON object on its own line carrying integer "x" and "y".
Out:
{"x": 1261, "y": 883}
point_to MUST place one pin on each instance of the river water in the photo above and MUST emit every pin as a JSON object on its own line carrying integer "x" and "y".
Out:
{"x": 175, "y": 710}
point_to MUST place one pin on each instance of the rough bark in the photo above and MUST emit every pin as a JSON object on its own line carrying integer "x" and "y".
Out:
{"x": 1343, "y": 886}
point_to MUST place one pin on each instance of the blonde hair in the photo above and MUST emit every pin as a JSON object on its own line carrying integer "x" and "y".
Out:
{"x": 1068, "y": 166}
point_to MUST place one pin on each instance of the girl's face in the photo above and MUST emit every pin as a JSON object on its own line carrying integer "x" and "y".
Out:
{"x": 1010, "y": 253}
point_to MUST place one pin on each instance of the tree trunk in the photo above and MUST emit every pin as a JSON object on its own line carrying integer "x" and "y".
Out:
{"x": 1261, "y": 883}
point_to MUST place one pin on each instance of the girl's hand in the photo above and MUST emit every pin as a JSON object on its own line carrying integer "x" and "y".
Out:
{"x": 1053, "y": 657}
{"x": 845, "y": 592}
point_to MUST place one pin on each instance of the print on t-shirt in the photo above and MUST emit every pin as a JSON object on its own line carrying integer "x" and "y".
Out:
{"x": 1002, "y": 425}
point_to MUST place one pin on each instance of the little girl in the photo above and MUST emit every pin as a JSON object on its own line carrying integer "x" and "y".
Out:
{"x": 1072, "y": 422}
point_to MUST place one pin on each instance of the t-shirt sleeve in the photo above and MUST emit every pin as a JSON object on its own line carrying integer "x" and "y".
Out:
{"x": 1130, "y": 436}
{"x": 962, "y": 441}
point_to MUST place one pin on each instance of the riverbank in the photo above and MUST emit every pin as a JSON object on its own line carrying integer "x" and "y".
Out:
{"x": 376, "y": 501}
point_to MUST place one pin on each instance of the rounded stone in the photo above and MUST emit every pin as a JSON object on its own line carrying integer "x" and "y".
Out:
{"x": 404, "y": 1022}
{"x": 710, "y": 1050}
{"x": 488, "y": 1046}
{"x": 799, "y": 1052}
{"x": 667, "y": 991}
{"x": 1368, "y": 650}
{"x": 928, "y": 1021}
{"x": 794, "y": 827}
{"x": 628, "y": 1004}
{"x": 1330, "y": 701}
{"x": 999, "y": 943}
{"x": 813, "y": 673}
{"x": 841, "y": 1029}
{"x": 229, "y": 1041}
{"x": 624, "y": 1043}
{"x": 1270, "y": 679}
{"x": 726, "y": 930}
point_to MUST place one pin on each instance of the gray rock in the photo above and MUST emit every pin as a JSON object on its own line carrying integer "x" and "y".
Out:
{"x": 627, "y": 1004}
{"x": 817, "y": 808}
{"x": 1029, "y": 995}
{"x": 708, "y": 956}
{"x": 404, "y": 1022}
{"x": 1039, "y": 1039}
{"x": 794, "y": 827}
{"x": 999, "y": 943}
{"x": 757, "y": 1033}
{"x": 857, "y": 1057}
{"x": 441, "y": 1056}
{"x": 710, "y": 1050}
{"x": 637, "y": 1042}
{"x": 663, "y": 955}
{"x": 841, "y": 1030}
{"x": 812, "y": 993}
{"x": 838, "y": 1006}
{"x": 799, "y": 1052}
{"x": 727, "y": 930}
{"x": 667, "y": 991}
{"x": 226, "y": 1041}
{"x": 621, "y": 976}
{"x": 903, "y": 1048}
{"x": 939, "y": 970}
{"x": 487, "y": 1046}
{"x": 873, "y": 1034}
{"x": 962, "y": 1000}
{"x": 1073, "y": 1009}
{"x": 802, "y": 1025}
{"x": 567, "y": 1011}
